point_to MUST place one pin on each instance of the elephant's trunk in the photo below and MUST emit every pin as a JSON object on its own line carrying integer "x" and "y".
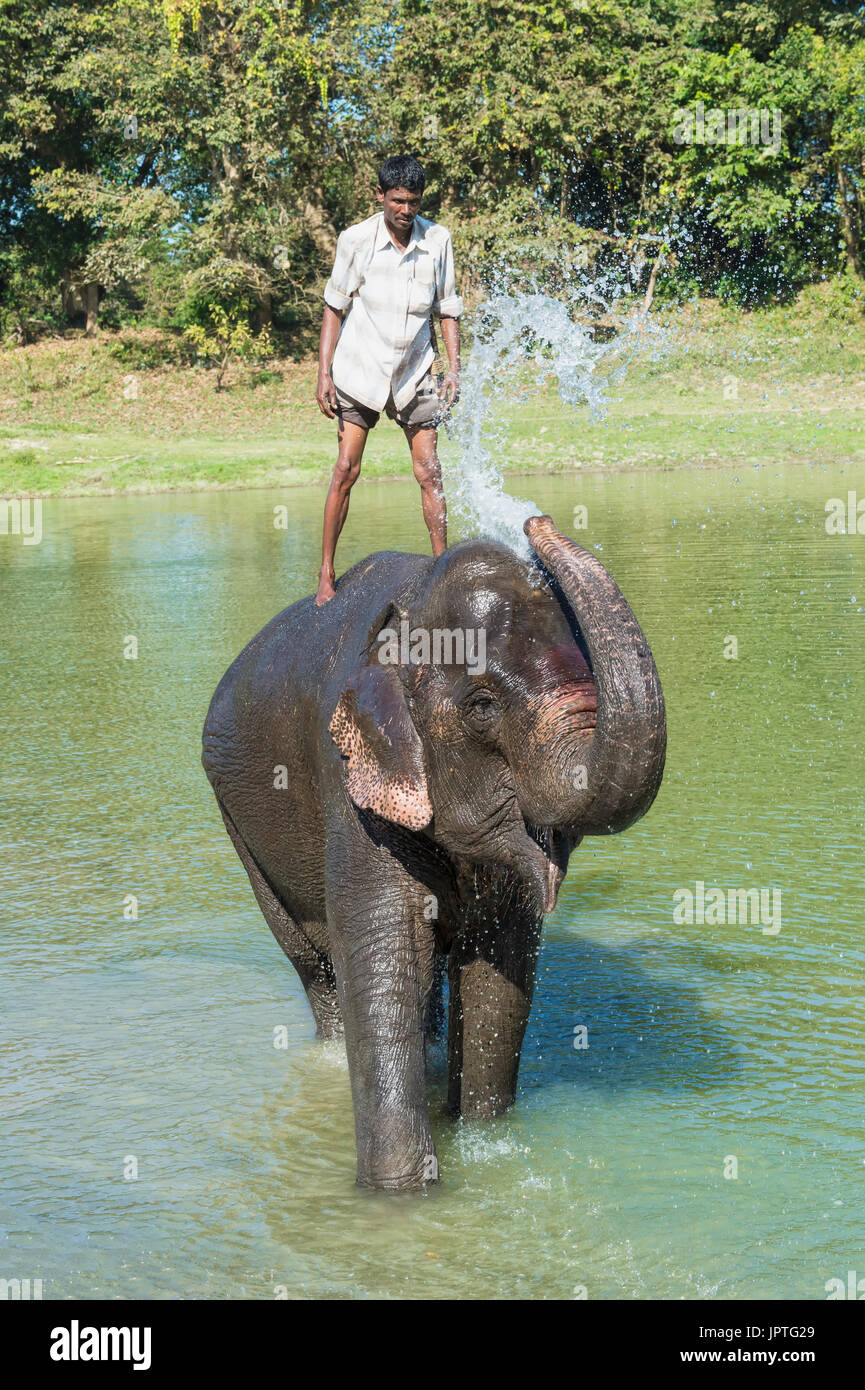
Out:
{"x": 625, "y": 760}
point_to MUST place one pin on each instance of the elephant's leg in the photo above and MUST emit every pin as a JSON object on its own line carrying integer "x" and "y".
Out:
{"x": 383, "y": 955}
{"x": 492, "y": 978}
{"x": 314, "y": 968}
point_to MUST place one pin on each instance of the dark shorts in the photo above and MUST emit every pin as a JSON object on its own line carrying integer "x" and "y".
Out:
{"x": 425, "y": 410}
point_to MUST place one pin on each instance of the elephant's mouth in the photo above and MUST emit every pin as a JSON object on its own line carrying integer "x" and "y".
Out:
{"x": 549, "y": 862}
{"x": 538, "y": 853}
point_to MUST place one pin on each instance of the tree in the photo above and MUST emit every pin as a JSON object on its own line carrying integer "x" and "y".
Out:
{"x": 157, "y": 161}
{"x": 228, "y": 338}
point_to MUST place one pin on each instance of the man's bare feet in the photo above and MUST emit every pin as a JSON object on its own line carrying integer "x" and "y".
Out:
{"x": 326, "y": 591}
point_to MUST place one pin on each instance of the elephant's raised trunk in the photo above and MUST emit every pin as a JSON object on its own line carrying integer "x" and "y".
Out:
{"x": 625, "y": 761}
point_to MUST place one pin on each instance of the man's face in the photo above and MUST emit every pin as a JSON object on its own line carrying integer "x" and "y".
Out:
{"x": 400, "y": 207}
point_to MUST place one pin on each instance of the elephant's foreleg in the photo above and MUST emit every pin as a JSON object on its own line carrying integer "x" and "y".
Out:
{"x": 384, "y": 964}
{"x": 492, "y": 977}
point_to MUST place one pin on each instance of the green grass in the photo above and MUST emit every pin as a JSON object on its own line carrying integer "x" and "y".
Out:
{"x": 780, "y": 386}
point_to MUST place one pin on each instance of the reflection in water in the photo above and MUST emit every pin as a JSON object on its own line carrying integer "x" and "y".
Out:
{"x": 153, "y": 1037}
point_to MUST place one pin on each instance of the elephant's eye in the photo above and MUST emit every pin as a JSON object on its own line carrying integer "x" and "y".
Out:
{"x": 482, "y": 712}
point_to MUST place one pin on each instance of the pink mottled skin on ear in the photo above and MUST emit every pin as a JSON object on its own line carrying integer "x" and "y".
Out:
{"x": 403, "y": 800}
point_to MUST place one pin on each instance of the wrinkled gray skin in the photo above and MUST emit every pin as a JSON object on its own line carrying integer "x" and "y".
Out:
{"x": 429, "y": 812}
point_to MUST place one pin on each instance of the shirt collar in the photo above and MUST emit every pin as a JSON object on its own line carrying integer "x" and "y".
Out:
{"x": 382, "y": 236}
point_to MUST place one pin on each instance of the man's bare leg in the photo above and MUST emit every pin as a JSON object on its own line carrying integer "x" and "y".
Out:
{"x": 352, "y": 439}
{"x": 427, "y": 470}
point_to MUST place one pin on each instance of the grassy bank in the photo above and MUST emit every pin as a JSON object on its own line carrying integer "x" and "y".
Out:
{"x": 89, "y": 417}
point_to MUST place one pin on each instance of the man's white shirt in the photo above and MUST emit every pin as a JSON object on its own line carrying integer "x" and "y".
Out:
{"x": 389, "y": 294}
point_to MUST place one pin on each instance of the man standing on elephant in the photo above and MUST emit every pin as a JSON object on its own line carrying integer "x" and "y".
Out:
{"x": 390, "y": 274}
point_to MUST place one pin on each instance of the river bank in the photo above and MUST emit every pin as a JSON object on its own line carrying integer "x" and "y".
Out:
{"x": 124, "y": 414}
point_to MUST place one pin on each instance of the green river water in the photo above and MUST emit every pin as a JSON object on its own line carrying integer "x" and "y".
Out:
{"x": 712, "y": 1049}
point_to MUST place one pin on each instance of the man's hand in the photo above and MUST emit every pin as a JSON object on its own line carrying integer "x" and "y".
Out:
{"x": 326, "y": 395}
{"x": 331, "y": 321}
{"x": 449, "y": 391}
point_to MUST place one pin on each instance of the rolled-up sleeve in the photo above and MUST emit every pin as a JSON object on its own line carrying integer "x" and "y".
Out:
{"x": 447, "y": 303}
{"x": 343, "y": 278}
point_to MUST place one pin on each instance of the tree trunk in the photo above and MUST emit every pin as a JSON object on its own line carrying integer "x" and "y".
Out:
{"x": 263, "y": 310}
{"x": 90, "y": 295}
{"x": 81, "y": 298}
{"x": 849, "y": 223}
{"x": 232, "y": 170}
{"x": 318, "y": 223}
{"x": 653, "y": 279}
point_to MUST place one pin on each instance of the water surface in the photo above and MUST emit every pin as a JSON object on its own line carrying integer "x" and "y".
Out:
{"x": 153, "y": 1039}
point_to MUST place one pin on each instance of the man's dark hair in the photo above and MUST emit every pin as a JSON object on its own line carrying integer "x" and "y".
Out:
{"x": 402, "y": 171}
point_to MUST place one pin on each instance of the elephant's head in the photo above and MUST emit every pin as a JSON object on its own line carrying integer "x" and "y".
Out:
{"x": 549, "y": 728}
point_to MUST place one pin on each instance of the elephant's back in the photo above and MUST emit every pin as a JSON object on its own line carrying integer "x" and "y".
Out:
{"x": 284, "y": 677}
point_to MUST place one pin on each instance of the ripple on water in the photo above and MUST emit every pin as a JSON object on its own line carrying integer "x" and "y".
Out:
{"x": 154, "y": 1038}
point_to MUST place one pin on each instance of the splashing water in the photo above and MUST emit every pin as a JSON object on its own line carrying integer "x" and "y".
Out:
{"x": 521, "y": 339}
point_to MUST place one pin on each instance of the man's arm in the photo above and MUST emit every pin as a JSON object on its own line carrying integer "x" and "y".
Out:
{"x": 337, "y": 296}
{"x": 450, "y": 388}
{"x": 447, "y": 307}
{"x": 326, "y": 394}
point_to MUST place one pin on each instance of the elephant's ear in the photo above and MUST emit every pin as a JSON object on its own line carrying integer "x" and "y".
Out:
{"x": 372, "y": 728}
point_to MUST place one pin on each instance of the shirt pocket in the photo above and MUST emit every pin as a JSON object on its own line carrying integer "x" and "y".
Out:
{"x": 422, "y": 286}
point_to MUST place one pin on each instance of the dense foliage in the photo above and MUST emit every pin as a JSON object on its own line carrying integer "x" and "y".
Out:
{"x": 190, "y": 162}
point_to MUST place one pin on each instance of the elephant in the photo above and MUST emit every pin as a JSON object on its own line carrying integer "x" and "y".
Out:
{"x": 402, "y": 817}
